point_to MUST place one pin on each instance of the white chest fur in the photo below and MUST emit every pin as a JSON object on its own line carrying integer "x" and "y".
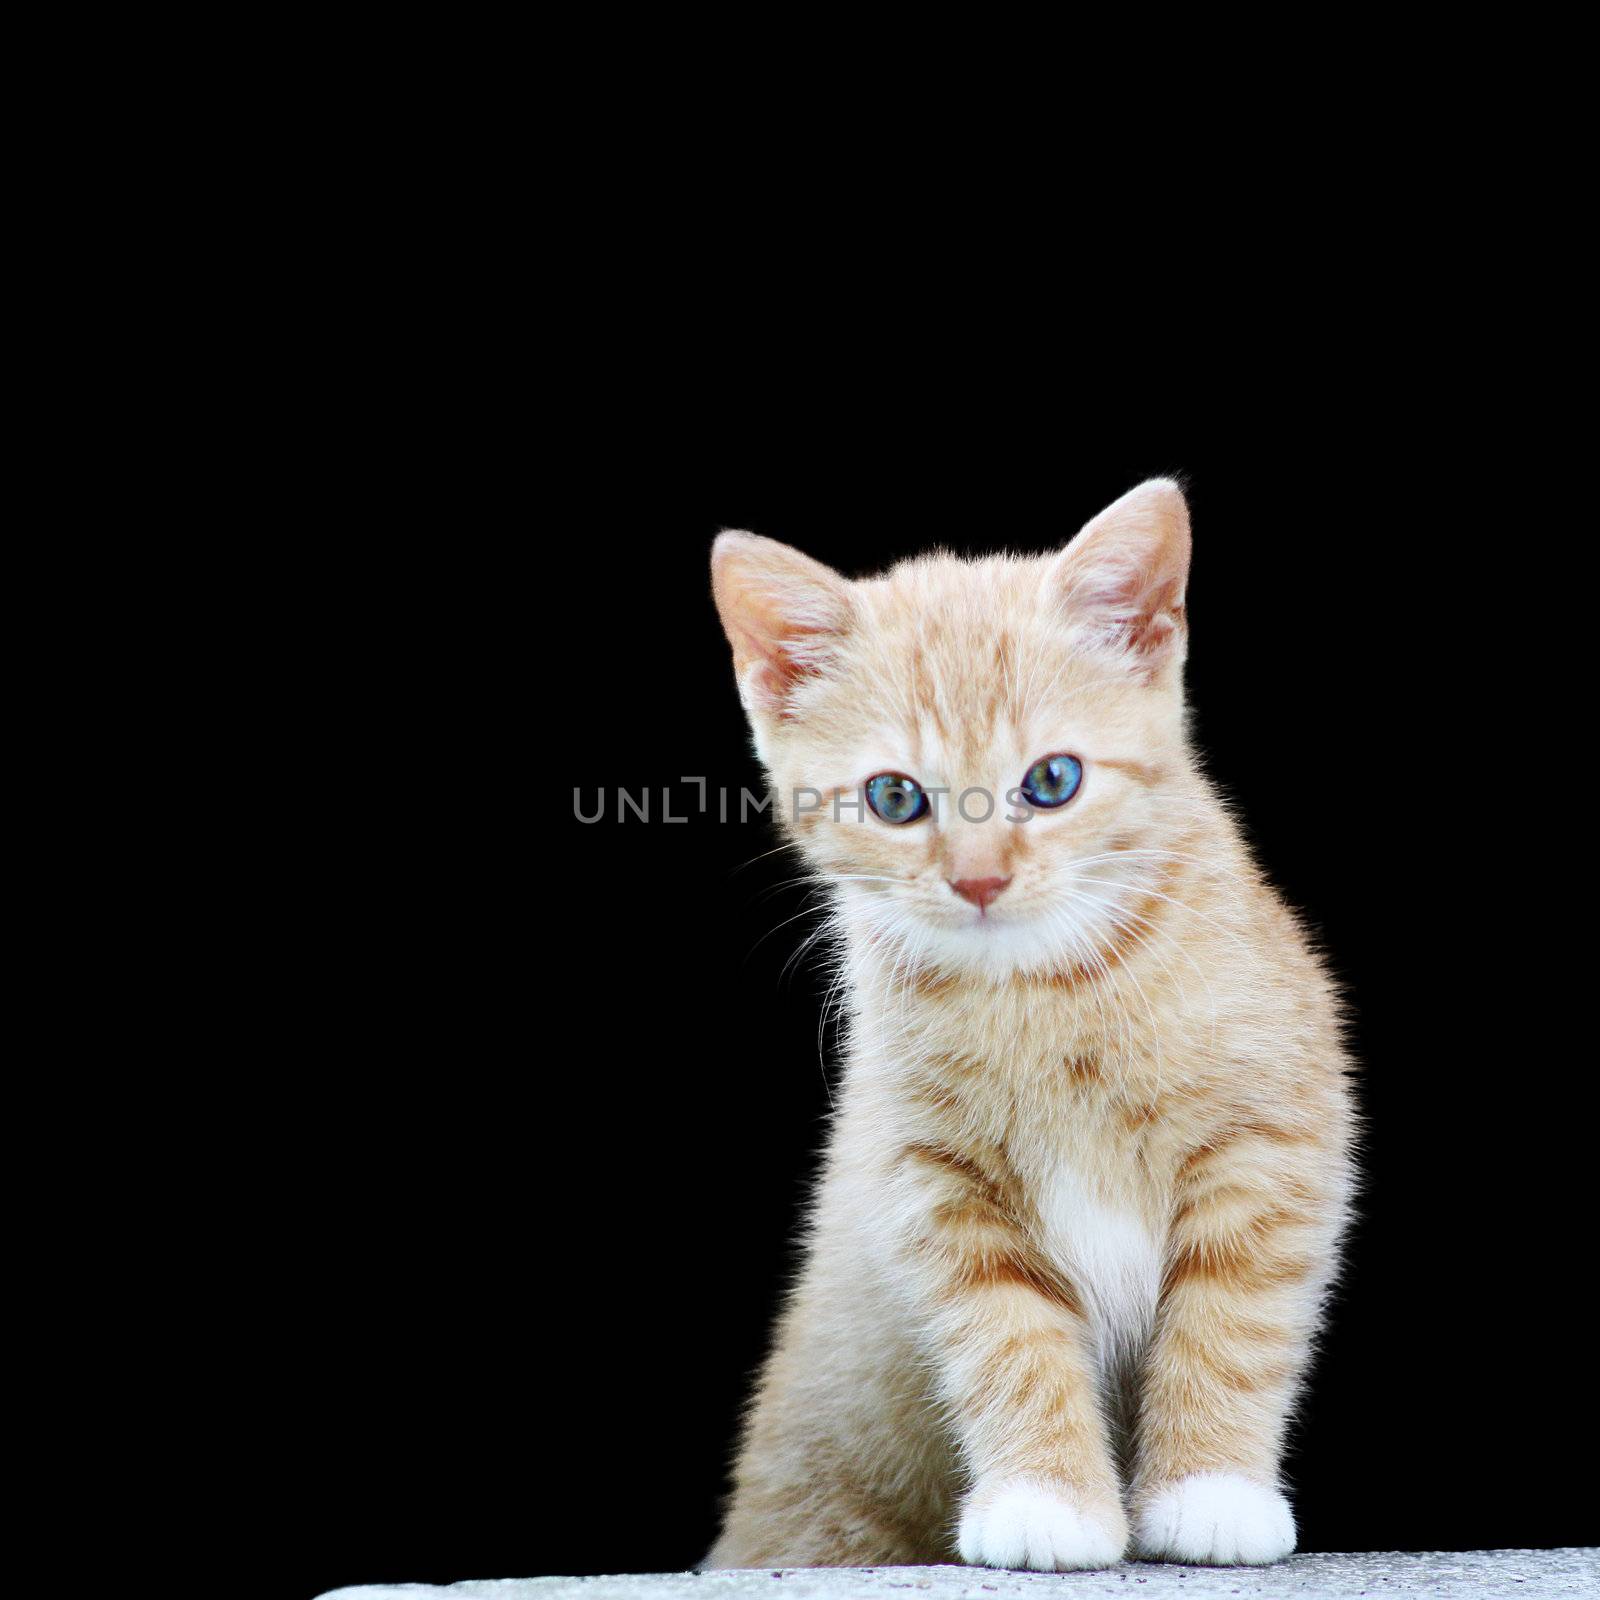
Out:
{"x": 1110, "y": 1256}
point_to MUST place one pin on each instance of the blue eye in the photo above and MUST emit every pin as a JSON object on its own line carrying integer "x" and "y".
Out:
{"x": 1052, "y": 781}
{"x": 896, "y": 798}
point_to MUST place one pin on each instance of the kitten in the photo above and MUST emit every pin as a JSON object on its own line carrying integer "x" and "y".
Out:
{"x": 1092, "y": 1152}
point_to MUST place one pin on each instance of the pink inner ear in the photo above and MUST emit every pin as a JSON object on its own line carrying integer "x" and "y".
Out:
{"x": 1132, "y": 606}
{"x": 771, "y": 650}
{"x": 780, "y": 609}
{"x": 1155, "y": 631}
{"x": 770, "y": 667}
{"x": 1123, "y": 577}
{"x": 766, "y": 681}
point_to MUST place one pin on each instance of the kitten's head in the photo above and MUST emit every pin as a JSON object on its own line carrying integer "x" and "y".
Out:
{"x": 986, "y": 758}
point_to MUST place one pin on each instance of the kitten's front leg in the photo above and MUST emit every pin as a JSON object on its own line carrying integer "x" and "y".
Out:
{"x": 1013, "y": 1359}
{"x": 1250, "y": 1251}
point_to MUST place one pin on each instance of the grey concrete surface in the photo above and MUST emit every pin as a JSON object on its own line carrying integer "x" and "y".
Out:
{"x": 1481, "y": 1574}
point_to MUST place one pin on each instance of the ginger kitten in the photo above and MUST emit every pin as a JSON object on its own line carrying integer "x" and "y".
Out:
{"x": 1092, "y": 1152}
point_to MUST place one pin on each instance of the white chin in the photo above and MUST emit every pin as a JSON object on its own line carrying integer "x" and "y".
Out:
{"x": 996, "y": 946}
{"x": 1004, "y": 942}
{"x": 986, "y": 944}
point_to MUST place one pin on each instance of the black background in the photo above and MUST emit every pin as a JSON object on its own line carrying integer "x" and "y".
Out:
{"x": 539, "y": 1164}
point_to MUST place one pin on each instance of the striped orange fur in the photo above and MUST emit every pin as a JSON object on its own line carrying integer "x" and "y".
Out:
{"x": 1092, "y": 1153}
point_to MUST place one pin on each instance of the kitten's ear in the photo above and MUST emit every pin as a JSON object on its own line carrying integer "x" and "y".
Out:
{"x": 782, "y": 612}
{"x": 1121, "y": 581}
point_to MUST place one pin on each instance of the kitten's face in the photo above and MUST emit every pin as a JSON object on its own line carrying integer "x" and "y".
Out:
{"x": 1035, "y": 705}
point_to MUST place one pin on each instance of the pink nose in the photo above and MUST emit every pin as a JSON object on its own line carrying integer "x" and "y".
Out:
{"x": 982, "y": 892}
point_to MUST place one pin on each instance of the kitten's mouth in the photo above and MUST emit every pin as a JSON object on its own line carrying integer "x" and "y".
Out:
{"x": 982, "y": 918}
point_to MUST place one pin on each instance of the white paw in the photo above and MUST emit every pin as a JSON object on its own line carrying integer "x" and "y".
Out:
{"x": 1023, "y": 1524}
{"x": 1216, "y": 1519}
